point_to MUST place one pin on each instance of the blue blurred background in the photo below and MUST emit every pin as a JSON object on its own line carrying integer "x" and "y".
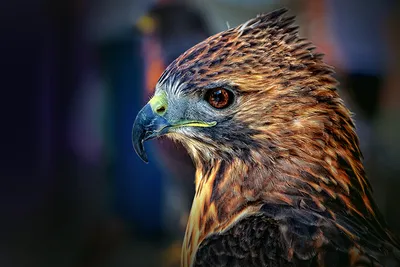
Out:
{"x": 75, "y": 73}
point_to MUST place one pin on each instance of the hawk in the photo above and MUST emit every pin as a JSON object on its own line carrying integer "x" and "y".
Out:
{"x": 279, "y": 174}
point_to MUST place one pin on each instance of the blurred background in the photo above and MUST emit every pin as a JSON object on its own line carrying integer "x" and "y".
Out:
{"x": 75, "y": 73}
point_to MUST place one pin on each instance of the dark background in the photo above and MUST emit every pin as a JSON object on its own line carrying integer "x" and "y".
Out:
{"x": 74, "y": 75}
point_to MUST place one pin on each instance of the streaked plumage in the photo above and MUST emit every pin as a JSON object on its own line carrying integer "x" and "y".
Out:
{"x": 280, "y": 179}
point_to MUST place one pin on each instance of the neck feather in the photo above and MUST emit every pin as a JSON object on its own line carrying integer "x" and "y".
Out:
{"x": 226, "y": 190}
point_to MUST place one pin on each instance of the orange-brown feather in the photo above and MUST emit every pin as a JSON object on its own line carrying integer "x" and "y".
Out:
{"x": 305, "y": 145}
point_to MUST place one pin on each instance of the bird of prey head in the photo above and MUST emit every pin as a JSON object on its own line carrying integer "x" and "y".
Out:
{"x": 279, "y": 175}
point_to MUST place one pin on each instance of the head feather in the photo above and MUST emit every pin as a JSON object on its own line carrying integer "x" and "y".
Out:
{"x": 259, "y": 50}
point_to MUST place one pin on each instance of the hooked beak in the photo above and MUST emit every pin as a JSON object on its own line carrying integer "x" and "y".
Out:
{"x": 151, "y": 123}
{"x": 147, "y": 125}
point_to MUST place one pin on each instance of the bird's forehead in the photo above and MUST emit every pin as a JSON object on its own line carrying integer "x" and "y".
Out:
{"x": 172, "y": 86}
{"x": 176, "y": 86}
{"x": 190, "y": 76}
{"x": 213, "y": 61}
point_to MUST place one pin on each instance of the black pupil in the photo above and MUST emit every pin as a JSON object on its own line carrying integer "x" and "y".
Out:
{"x": 218, "y": 96}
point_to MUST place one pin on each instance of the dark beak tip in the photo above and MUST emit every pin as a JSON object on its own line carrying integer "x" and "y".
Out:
{"x": 142, "y": 155}
{"x": 144, "y": 158}
{"x": 139, "y": 149}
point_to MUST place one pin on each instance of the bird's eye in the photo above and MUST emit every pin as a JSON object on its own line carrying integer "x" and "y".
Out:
{"x": 219, "y": 98}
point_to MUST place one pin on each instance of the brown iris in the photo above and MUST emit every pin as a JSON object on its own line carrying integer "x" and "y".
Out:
{"x": 219, "y": 98}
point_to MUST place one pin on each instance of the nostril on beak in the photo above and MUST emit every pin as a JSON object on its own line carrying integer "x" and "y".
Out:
{"x": 159, "y": 103}
{"x": 160, "y": 110}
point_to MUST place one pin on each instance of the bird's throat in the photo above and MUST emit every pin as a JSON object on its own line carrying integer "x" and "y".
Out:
{"x": 217, "y": 204}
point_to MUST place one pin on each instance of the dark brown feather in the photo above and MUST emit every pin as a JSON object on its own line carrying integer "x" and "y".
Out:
{"x": 259, "y": 240}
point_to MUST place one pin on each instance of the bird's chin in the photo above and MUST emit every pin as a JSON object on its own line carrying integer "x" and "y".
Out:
{"x": 181, "y": 135}
{"x": 194, "y": 142}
